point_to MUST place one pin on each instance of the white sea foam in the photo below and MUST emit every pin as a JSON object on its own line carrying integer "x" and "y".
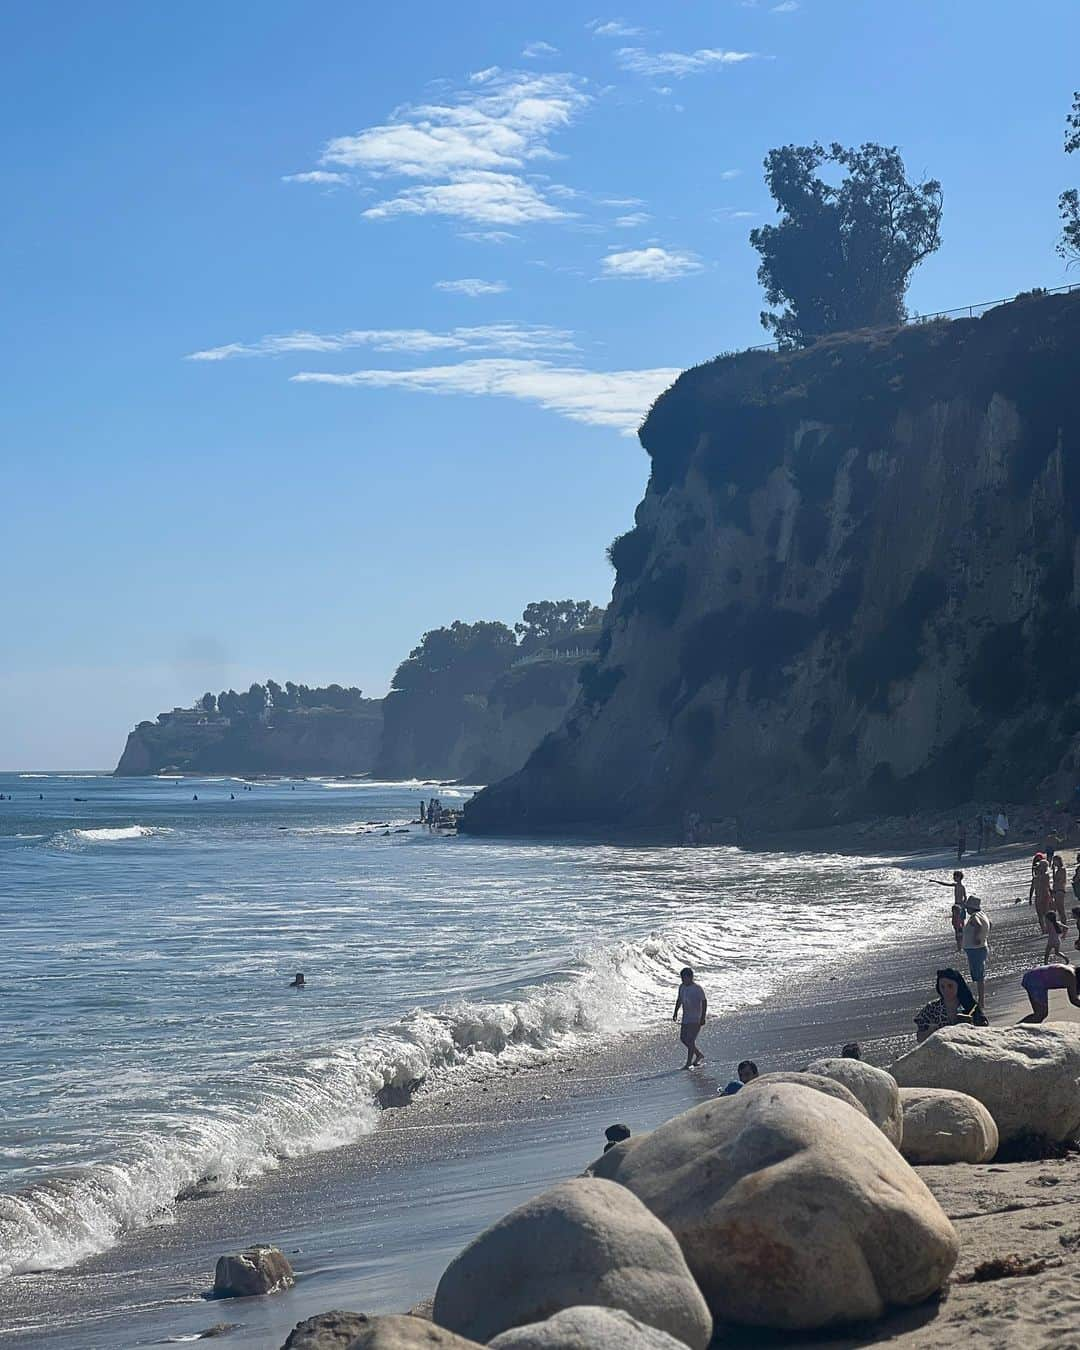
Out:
{"x": 115, "y": 833}
{"x": 304, "y": 1104}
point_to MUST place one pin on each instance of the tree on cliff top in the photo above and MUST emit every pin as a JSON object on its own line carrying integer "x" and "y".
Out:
{"x": 1069, "y": 202}
{"x": 546, "y": 621}
{"x": 466, "y": 658}
{"x": 842, "y": 256}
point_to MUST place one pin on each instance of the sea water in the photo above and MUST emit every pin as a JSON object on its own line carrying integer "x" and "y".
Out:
{"x": 150, "y": 1048}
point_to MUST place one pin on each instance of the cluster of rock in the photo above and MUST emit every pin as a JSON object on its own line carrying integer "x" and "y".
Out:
{"x": 792, "y": 1205}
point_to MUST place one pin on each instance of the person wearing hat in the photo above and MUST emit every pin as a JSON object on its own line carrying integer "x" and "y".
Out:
{"x": 977, "y": 945}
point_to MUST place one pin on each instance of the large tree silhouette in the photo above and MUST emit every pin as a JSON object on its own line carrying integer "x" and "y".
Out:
{"x": 842, "y": 255}
{"x": 1069, "y": 202}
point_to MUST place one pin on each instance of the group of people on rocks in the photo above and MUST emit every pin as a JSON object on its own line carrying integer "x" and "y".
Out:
{"x": 433, "y": 812}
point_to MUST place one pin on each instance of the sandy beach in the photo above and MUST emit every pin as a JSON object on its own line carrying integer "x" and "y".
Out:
{"x": 372, "y": 1226}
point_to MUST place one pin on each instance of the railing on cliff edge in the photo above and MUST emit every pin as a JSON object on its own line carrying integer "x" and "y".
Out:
{"x": 968, "y": 311}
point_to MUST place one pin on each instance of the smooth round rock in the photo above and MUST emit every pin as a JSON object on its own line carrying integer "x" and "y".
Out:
{"x": 831, "y": 1087}
{"x": 583, "y": 1242}
{"x": 1027, "y": 1077}
{"x": 942, "y": 1126}
{"x": 876, "y": 1089}
{"x": 258, "y": 1270}
{"x": 587, "y": 1329}
{"x": 793, "y": 1210}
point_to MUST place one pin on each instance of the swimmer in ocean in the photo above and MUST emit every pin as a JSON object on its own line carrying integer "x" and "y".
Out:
{"x": 298, "y": 981}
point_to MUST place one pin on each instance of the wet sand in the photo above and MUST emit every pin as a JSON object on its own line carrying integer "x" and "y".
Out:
{"x": 371, "y": 1227}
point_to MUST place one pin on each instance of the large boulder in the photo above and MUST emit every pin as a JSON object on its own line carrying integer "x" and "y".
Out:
{"x": 942, "y": 1126}
{"x": 407, "y": 1333}
{"x": 1027, "y": 1077}
{"x": 831, "y": 1087}
{"x": 334, "y": 1330}
{"x": 585, "y": 1241}
{"x": 258, "y": 1270}
{"x": 587, "y": 1329}
{"x": 876, "y": 1089}
{"x": 793, "y": 1210}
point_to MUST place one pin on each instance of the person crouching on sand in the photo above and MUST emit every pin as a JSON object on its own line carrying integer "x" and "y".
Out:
{"x": 955, "y": 1004}
{"x": 1037, "y": 984}
{"x": 747, "y": 1071}
{"x": 693, "y": 1004}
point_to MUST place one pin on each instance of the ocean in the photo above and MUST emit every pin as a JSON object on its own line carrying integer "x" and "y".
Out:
{"x": 152, "y": 1050}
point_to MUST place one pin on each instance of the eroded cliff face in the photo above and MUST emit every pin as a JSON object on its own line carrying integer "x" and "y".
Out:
{"x": 851, "y": 588}
{"x": 477, "y": 738}
{"x": 315, "y": 741}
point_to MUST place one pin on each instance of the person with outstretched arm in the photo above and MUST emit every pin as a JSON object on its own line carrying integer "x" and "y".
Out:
{"x": 693, "y": 1004}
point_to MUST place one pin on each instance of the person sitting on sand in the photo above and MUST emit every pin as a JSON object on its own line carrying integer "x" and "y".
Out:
{"x": 298, "y": 981}
{"x": 747, "y": 1071}
{"x": 1059, "y": 882}
{"x": 1037, "y": 984}
{"x": 954, "y": 1005}
{"x": 851, "y": 1051}
{"x": 1055, "y": 931}
{"x": 693, "y": 1003}
{"x": 615, "y": 1134}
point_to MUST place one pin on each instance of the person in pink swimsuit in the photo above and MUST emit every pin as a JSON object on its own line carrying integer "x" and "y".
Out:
{"x": 1037, "y": 984}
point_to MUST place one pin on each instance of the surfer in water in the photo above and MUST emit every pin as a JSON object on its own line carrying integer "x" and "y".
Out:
{"x": 298, "y": 981}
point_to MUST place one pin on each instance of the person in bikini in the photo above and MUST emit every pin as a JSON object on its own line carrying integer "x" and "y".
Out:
{"x": 691, "y": 1001}
{"x": 1037, "y": 984}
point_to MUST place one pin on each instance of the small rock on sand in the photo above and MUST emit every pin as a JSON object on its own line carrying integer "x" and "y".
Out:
{"x": 335, "y": 1330}
{"x": 258, "y": 1270}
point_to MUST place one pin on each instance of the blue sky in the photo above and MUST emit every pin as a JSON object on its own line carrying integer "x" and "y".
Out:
{"x": 327, "y": 324}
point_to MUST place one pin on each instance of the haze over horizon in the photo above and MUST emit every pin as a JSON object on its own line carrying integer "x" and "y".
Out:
{"x": 344, "y": 336}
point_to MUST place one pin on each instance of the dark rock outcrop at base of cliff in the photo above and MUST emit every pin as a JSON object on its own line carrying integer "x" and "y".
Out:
{"x": 851, "y": 588}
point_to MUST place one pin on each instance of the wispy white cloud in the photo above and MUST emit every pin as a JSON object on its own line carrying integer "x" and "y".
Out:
{"x": 488, "y": 236}
{"x": 468, "y": 152}
{"x": 472, "y": 286}
{"x": 315, "y": 176}
{"x": 678, "y": 64}
{"x": 729, "y": 174}
{"x": 616, "y": 398}
{"x": 535, "y": 49}
{"x": 479, "y": 196}
{"x": 506, "y": 338}
{"x": 785, "y": 7}
{"x": 613, "y": 28}
{"x": 628, "y": 222}
{"x": 731, "y": 213}
{"x": 650, "y": 264}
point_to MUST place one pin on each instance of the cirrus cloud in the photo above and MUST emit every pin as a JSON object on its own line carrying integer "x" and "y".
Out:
{"x": 617, "y": 399}
{"x": 472, "y": 286}
{"x": 678, "y": 64}
{"x": 500, "y": 337}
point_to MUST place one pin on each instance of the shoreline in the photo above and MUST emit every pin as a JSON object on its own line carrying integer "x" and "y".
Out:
{"x": 372, "y": 1226}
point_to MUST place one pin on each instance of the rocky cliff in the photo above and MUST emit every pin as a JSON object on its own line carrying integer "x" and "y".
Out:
{"x": 852, "y": 587}
{"x": 477, "y": 738}
{"x": 307, "y": 741}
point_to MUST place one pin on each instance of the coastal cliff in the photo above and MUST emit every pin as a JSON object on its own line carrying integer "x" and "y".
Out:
{"x": 302, "y": 741}
{"x": 477, "y": 737}
{"x": 851, "y": 589}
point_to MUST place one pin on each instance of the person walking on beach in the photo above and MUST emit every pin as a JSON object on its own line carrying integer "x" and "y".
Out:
{"x": 1042, "y": 893}
{"x": 1059, "y": 882}
{"x": 1055, "y": 931}
{"x": 1037, "y": 984}
{"x": 977, "y": 945}
{"x": 693, "y": 1004}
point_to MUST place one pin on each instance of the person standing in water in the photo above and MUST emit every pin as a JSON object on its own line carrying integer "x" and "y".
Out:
{"x": 1059, "y": 881}
{"x": 693, "y": 1004}
{"x": 959, "y": 913}
{"x": 1042, "y": 892}
{"x": 961, "y": 840}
